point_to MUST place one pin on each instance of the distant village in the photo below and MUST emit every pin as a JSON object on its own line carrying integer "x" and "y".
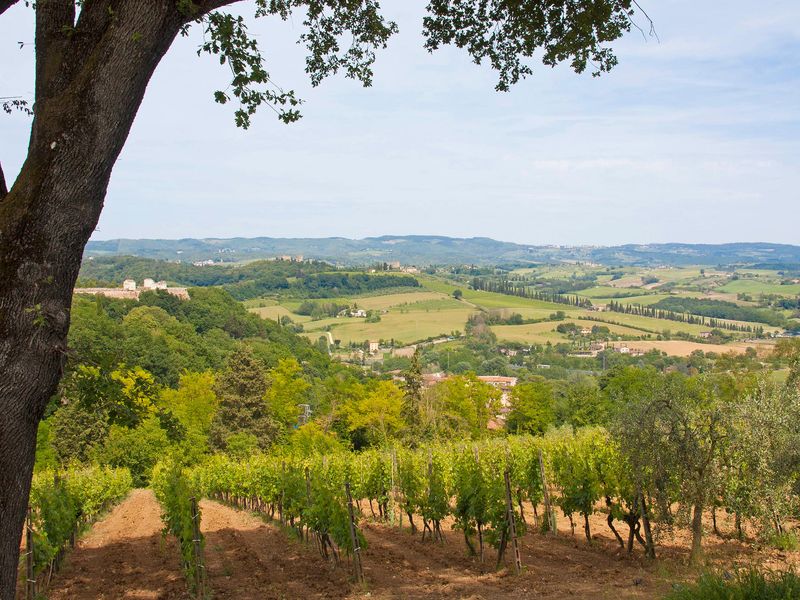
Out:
{"x": 130, "y": 291}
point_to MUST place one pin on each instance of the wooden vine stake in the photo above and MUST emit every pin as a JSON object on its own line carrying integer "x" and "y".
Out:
{"x": 30, "y": 582}
{"x": 308, "y": 497}
{"x": 280, "y": 499}
{"x": 199, "y": 568}
{"x": 512, "y": 528}
{"x": 549, "y": 515}
{"x": 395, "y": 491}
{"x": 357, "y": 570}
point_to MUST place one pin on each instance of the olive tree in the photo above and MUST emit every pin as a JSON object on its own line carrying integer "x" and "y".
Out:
{"x": 93, "y": 61}
{"x": 672, "y": 431}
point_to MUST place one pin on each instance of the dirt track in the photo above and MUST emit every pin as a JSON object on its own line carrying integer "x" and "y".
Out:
{"x": 123, "y": 556}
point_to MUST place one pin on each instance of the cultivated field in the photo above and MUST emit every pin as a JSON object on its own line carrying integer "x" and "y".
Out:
{"x": 415, "y": 315}
{"x": 405, "y": 327}
{"x": 541, "y": 333}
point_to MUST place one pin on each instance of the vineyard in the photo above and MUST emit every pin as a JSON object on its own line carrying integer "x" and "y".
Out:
{"x": 672, "y": 469}
{"x": 489, "y": 491}
{"x": 62, "y": 503}
{"x": 576, "y": 473}
{"x": 468, "y": 499}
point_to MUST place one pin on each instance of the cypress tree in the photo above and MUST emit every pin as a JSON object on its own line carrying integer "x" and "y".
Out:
{"x": 412, "y": 402}
{"x": 242, "y": 407}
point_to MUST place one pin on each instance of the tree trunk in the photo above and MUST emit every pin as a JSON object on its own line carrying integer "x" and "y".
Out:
{"x": 714, "y": 521}
{"x": 586, "y": 529}
{"x": 610, "y": 521}
{"x": 411, "y": 521}
{"x": 90, "y": 80}
{"x": 697, "y": 534}
{"x": 738, "y": 524}
{"x": 650, "y": 549}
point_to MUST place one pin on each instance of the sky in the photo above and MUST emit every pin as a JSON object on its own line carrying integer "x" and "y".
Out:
{"x": 693, "y": 137}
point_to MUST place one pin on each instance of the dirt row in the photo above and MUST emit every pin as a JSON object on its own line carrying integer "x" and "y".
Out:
{"x": 125, "y": 556}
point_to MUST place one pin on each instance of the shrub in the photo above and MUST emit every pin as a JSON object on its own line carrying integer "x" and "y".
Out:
{"x": 744, "y": 585}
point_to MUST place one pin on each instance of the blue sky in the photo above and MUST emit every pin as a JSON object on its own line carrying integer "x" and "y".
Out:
{"x": 695, "y": 138}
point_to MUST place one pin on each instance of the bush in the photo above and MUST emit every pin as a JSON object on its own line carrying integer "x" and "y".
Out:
{"x": 136, "y": 449}
{"x": 175, "y": 493}
{"x": 59, "y": 500}
{"x": 745, "y": 585}
{"x": 786, "y": 541}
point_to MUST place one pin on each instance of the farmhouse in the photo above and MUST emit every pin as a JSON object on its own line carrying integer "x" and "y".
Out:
{"x": 705, "y": 334}
{"x": 374, "y": 347}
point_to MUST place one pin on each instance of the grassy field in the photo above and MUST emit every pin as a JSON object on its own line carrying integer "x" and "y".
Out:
{"x": 756, "y": 286}
{"x": 657, "y": 325}
{"x": 541, "y": 333}
{"x": 431, "y": 311}
{"x": 605, "y": 293}
{"x": 277, "y": 311}
{"x": 404, "y": 327}
{"x": 683, "y": 348}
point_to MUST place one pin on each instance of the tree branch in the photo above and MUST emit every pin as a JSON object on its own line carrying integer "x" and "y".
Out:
{"x": 6, "y": 4}
{"x": 53, "y": 18}
{"x": 3, "y": 186}
{"x": 207, "y": 6}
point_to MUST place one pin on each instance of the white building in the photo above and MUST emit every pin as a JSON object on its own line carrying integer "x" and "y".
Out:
{"x": 150, "y": 284}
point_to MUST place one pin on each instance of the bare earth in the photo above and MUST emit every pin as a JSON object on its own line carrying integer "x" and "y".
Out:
{"x": 246, "y": 557}
{"x": 123, "y": 556}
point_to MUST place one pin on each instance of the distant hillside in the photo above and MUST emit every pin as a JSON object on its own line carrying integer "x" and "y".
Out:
{"x": 427, "y": 250}
{"x": 243, "y": 280}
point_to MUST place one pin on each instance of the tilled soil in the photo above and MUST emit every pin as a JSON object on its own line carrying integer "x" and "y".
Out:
{"x": 123, "y": 556}
{"x": 248, "y": 558}
{"x": 400, "y": 565}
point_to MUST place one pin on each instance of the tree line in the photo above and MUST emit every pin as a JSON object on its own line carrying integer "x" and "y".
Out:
{"x": 510, "y": 288}
{"x": 681, "y": 317}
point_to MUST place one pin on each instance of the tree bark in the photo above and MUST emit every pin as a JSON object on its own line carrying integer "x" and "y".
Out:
{"x": 697, "y": 534}
{"x": 610, "y": 521}
{"x": 90, "y": 80}
{"x": 3, "y": 186}
{"x": 650, "y": 549}
{"x": 586, "y": 529}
